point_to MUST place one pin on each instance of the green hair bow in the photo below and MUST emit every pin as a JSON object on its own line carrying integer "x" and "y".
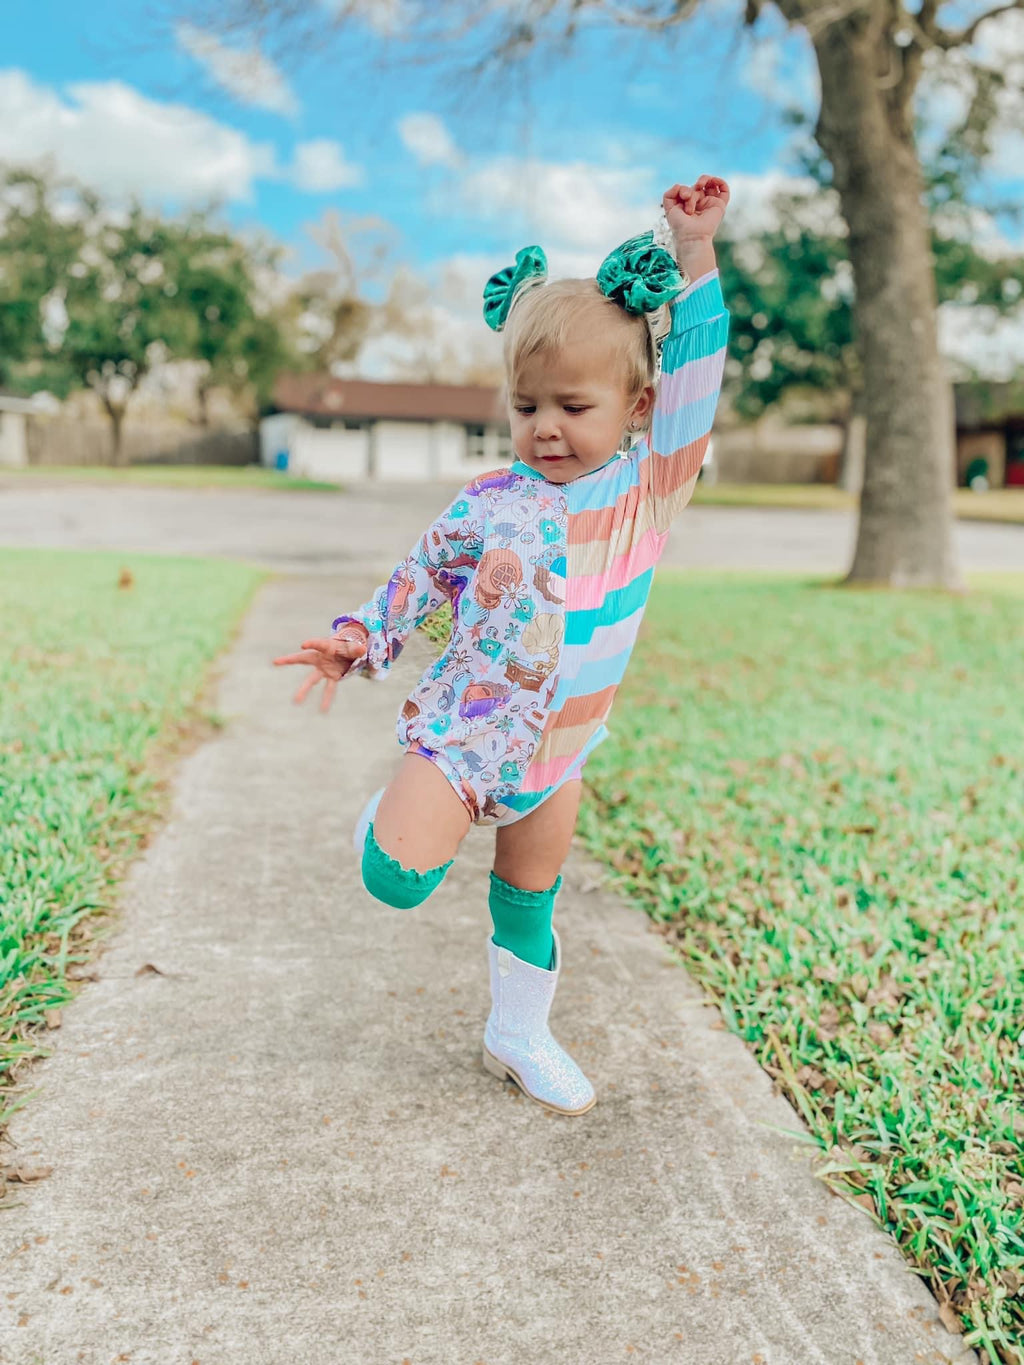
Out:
{"x": 639, "y": 275}
{"x": 503, "y": 288}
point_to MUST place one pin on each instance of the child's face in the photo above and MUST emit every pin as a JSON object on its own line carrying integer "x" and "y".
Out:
{"x": 570, "y": 410}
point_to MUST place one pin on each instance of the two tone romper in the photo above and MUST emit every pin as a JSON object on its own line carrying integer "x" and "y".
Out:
{"x": 548, "y": 584}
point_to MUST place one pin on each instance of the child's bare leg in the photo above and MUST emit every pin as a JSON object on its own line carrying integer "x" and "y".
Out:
{"x": 421, "y": 820}
{"x": 530, "y": 853}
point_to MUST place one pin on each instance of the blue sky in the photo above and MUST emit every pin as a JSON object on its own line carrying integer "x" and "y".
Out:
{"x": 573, "y": 153}
{"x": 623, "y": 121}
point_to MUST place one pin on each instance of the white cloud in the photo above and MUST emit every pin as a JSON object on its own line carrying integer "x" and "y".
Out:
{"x": 320, "y": 167}
{"x": 948, "y": 84}
{"x": 776, "y": 71}
{"x": 430, "y": 142}
{"x": 754, "y": 208}
{"x": 120, "y": 142}
{"x": 572, "y": 206}
{"x": 244, "y": 72}
{"x": 579, "y": 211}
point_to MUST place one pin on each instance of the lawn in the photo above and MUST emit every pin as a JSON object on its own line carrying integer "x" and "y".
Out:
{"x": 816, "y": 793}
{"x": 174, "y": 476}
{"x": 101, "y": 685}
{"x": 999, "y": 504}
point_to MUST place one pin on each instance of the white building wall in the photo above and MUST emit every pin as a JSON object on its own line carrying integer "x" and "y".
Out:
{"x": 405, "y": 450}
{"x": 276, "y": 435}
{"x": 457, "y": 462}
{"x": 13, "y": 438}
{"x": 451, "y": 450}
{"x": 333, "y": 454}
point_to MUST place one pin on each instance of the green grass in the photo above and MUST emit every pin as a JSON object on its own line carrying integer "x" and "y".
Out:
{"x": 809, "y": 495}
{"x": 1000, "y": 504}
{"x": 175, "y": 476}
{"x": 100, "y": 686}
{"x": 817, "y": 794}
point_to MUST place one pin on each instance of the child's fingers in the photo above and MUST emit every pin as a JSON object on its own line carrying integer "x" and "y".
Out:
{"x": 306, "y": 657}
{"x": 305, "y": 687}
{"x": 328, "y": 696}
{"x": 712, "y": 187}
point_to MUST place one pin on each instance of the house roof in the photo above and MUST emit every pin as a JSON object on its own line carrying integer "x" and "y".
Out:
{"x": 321, "y": 395}
{"x": 982, "y": 403}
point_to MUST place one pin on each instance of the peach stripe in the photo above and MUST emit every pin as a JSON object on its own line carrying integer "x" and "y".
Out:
{"x": 590, "y": 590}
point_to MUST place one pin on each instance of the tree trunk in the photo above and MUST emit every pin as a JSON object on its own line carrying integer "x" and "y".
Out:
{"x": 865, "y": 129}
{"x": 115, "y": 411}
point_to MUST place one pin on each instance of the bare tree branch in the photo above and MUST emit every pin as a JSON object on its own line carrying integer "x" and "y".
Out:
{"x": 947, "y": 40}
{"x": 926, "y": 19}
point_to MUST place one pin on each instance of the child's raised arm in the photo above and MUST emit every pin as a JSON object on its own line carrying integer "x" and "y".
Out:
{"x": 693, "y": 356}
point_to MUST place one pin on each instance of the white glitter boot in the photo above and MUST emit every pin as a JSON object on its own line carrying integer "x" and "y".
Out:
{"x": 517, "y": 1040}
{"x": 363, "y": 823}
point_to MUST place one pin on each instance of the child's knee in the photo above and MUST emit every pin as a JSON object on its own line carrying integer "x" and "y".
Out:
{"x": 387, "y": 880}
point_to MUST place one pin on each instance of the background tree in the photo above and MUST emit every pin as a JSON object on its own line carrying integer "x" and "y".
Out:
{"x": 870, "y": 56}
{"x": 330, "y": 310}
{"x": 96, "y": 298}
{"x": 236, "y": 332}
{"x": 36, "y": 250}
{"x": 790, "y": 291}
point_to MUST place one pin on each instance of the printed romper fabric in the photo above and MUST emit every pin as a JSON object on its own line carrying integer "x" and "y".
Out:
{"x": 548, "y": 584}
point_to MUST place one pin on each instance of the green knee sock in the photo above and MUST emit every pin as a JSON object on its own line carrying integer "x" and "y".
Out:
{"x": 386, "y": 879}
{"x": 522, "y": 920}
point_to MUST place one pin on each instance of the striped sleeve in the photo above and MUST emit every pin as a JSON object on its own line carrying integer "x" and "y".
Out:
{"x": 693, "y": 361}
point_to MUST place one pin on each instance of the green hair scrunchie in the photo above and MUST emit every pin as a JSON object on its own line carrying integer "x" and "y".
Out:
{"x": 503, "y": 288}
{"x": 640, "y": 276}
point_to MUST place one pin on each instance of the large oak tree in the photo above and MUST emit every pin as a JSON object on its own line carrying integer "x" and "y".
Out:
{"x": 870, "y": 55}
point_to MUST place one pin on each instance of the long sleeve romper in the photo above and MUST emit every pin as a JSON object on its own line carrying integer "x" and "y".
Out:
{"x": 548, "y": 584}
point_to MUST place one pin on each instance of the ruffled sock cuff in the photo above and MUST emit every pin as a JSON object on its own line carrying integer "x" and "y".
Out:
{"x": 515, "y": 895}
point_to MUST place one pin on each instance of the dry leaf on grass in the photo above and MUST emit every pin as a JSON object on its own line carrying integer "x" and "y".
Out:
{"x": 950, "y": 1318}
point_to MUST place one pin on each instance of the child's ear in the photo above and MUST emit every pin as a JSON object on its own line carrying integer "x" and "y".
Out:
{"x": 643, "y": 406}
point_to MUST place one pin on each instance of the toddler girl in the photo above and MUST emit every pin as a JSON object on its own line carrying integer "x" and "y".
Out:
{"x": 547, "y": 564}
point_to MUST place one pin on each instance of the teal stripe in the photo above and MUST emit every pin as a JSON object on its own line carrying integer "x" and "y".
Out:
{"x": 623, "y": 602}
{"x": 702, "y": 305}
{"x": 681, "y": 347}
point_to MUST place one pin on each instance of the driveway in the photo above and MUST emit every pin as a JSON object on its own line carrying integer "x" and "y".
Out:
{"x": 370, "y": 528}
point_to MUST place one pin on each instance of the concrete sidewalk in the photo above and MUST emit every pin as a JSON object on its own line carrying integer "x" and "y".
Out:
{"x": 286, "y": 1149}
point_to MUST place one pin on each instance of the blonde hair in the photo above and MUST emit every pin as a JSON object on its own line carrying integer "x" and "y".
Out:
{"x": 546, "y": 317}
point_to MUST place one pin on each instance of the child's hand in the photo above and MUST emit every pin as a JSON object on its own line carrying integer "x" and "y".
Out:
{"x": 695, "y": 212}
{"x": 331, "y": 659}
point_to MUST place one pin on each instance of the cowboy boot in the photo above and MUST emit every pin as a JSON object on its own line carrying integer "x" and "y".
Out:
{"x": 363, "y": 823}
{"x": 517, "y": 1040}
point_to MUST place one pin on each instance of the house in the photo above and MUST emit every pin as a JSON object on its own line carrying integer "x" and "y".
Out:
{"x": 350, "y": 429}
{"x": 990, "y": 432}
{"x": 14, "y": 415}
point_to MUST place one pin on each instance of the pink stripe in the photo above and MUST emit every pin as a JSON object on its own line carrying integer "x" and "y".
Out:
{"x": 541, "y": 775}
{"x": 694, "y": 379}
{"x": 590, "y": 590}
